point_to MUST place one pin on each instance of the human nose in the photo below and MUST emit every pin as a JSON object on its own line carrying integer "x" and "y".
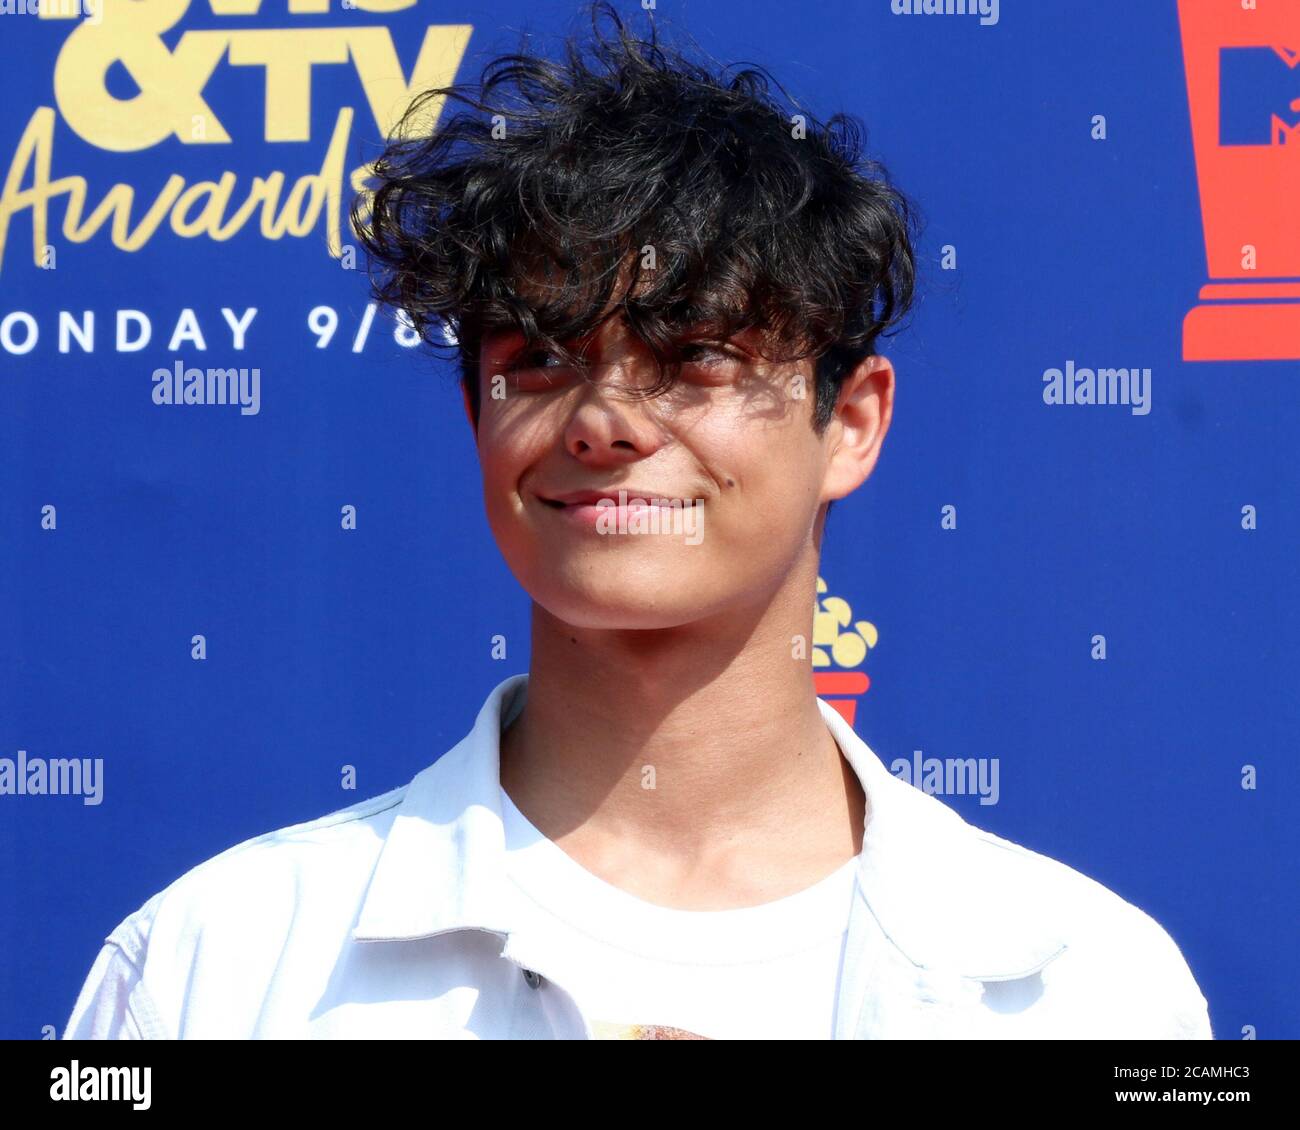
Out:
{"x": 611, "y": 420}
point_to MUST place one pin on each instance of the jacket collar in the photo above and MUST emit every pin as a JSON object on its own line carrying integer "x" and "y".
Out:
{"x": 947, "y": 895}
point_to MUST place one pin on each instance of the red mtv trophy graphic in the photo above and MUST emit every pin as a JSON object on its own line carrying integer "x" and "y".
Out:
{"x": 1243, "y": 90}
{"x": 839, "y": 642}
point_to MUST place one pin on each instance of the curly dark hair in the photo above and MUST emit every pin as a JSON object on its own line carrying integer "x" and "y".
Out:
{"x": 534, "y": 205}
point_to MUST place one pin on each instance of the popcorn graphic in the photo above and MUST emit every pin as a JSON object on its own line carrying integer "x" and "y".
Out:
{"x": 847, "y": 649}
{"x": 613, "y": 1030}
{"x": 1243, "y": 91}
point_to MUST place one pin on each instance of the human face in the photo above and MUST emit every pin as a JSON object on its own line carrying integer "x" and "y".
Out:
{"x": 732, "y": 441}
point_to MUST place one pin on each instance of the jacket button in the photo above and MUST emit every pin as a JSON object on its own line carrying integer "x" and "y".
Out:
{"x": 534, "y": 979}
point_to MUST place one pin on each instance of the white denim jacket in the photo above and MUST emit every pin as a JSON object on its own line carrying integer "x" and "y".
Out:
{"x": 387, "y": 920}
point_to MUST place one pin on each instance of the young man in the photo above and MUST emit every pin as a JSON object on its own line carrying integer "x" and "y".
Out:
{"x": 666, "y": 290}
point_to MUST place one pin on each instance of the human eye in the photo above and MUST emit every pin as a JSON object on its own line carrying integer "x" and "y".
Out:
{"x": 536, "y": 367}
{"x": 703, "y": 353}
{"x": 710, "y": 360}
{"x": 534, "y": 357}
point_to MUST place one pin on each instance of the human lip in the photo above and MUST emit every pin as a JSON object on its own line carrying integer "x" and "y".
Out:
{"x": 619, "y": 496}
{"x": 588, "y": 506}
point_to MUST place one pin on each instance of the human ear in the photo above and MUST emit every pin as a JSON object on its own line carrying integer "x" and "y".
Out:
{"x": 857, "y": 429}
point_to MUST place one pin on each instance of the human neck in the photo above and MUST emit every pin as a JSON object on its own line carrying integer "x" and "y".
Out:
{"x": 690, "y": 766}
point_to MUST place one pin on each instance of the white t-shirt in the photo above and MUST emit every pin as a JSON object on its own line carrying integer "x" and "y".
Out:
{"x": 647, "y": 972}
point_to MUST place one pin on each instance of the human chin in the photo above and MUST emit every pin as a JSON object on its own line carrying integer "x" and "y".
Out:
{"x": 661, "y": 587}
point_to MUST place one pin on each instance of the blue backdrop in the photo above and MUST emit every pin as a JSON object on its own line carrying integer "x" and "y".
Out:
{"x": 1067, "y": 206}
